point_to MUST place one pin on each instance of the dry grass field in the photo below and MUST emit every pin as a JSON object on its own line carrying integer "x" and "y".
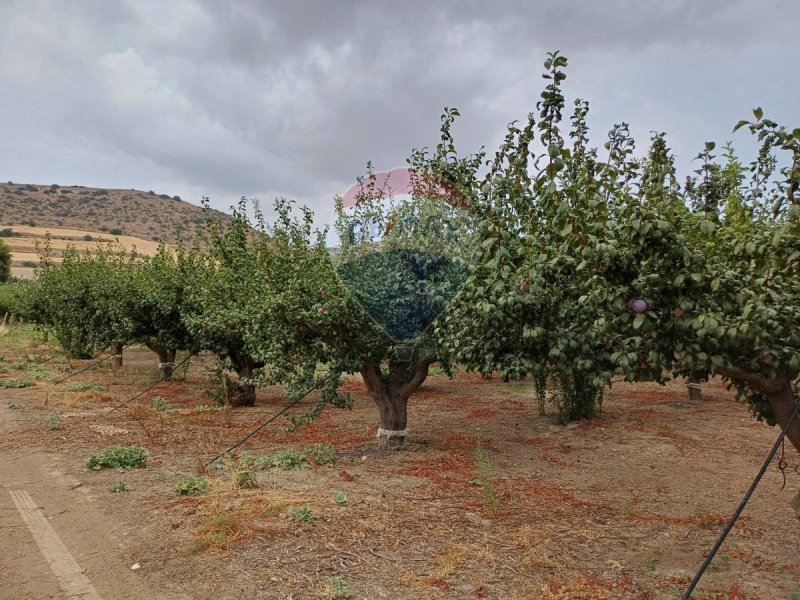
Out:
{"x": 489, "y": 499}
{"x": 24, "y": 239}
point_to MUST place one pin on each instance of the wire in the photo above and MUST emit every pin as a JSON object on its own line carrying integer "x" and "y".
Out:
{"x": 71, "y": 375}
{"x": 260, "y": 427}
{"x": 742, "y": 504}
{"x": 152, "y": 385}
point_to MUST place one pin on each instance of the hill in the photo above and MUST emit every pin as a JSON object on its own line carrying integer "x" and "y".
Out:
{"x": 82, "y": 216}
{"x": 145, "y": 215}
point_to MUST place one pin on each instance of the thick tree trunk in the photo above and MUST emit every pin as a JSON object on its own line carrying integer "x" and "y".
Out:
{"x": 781, "y": 398}
{"x": 695, "y": 392}
{"x": 244, "y": 394}
{"x": 390, "y": 393}
{"x": 117, "y": 350}
{"x": 166, "y": 361}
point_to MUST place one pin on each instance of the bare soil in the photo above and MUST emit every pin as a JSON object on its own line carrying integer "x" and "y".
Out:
{"x": 488, "y": 500}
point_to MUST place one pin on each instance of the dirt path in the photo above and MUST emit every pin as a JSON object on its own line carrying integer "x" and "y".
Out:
{"x": 55, "y": 541}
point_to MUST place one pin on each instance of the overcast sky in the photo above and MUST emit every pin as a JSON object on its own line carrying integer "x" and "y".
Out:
{"x": 264, "y": 99}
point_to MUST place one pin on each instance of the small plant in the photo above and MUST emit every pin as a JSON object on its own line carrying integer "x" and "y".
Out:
{"x": 292, "y": 460}
{"x": 120, "y": 486}
{"x": 160, "y": 403}
{"x": 302, "y": 514}
{"x": 193, "y": 486}
{"x": 13, "y": 406}
{"x": 321, "y": 454}
{"x": 54, "y": 421}
{"x": 118, "y": 457}
{"x": 245, "y": 479}
{"x": 82, "y": 386}
{"x": 485, "y": 471}
{"x": 338, "y": 588}
{"x": 340, "y": 498}
{"x": 16, "y": 384}
{"x": 651, "y": 563}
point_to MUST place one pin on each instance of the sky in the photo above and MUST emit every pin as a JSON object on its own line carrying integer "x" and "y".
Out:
{"x": 263, "y": 99}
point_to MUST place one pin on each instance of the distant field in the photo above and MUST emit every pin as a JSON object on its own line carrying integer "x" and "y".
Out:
{"x": 24, "y": 239}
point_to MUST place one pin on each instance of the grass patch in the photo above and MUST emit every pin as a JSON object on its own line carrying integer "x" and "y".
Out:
{"x": 338, "y": 588}
{"x": 54, "y": 421}
{"x": 192, "y": 486}
{"x": 160, "y": 403}
{"x": 301, "y": 514}
{"x": 291, "y": 460}
{"x": 16, "y": 384}
{"x": 118, "y": 457}
{"x": 82, "y": 386}
{"x": 486, "y": 480}
{"x": 119, "y": 487}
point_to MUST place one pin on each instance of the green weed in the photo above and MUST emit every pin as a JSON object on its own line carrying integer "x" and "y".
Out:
{"x": 118, "y": 487}
{"x": 54, "y": 421}
{"x": 302, "y": 514}
{"x": 193, "y": 486}
{"x": 338, "y": 588}
{"x": 118, "y": 457}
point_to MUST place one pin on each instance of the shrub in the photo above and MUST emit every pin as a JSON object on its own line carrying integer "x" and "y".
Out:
{"x": 193, "y": 486}
{"x": 160, "y": 403}
{"x": 118, "y": 487}
{"x": 245, "y": 479}
{"x": 338, "y": 588}
{"x": 115, "y": 231}
{"x": 54, "y": 421}
{"x": 82, "y": 386}
{"x": 118, "y": 457}
{"x": 16, "y": 383}
{"x": 302, "y": 514}
{"x": 6, "y": 232}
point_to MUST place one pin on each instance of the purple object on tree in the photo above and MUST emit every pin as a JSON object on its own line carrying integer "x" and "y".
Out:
{"x": 638, "y": 306}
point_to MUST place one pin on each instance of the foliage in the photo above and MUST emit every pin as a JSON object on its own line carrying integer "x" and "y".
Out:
{"x": 5, "y": 262}
{"x": 16, "y": 383}
{"x": 118, "y": 457}
{"x": 160, "y": 403}
{"x": 338, "y": 588}
{"x": 292, "y": 460}
{"x": 55, "y": 420}
{"x": 118, "y": 487}
{"x": 591, "y": 265}
{"x": 340, "y": 498}
{"x": 302, "y": 514}
{"x": 82, "y": 386}
{"x": 245, "y": 479}
{"x": 193, "y": 486}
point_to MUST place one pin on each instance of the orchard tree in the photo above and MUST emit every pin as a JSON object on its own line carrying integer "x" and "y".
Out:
{"x": 591, "y": 266}
{"x": 159, "y": 304}
{"x": 86, "y": 300}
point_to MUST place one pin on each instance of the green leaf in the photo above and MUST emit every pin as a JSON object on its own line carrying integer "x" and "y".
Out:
{"x": 710, "y": 146}
{"x": 758, "y": 113}
{"x": 566, "y": 230}
{"x": 638, "y": 321}
{"x": 740, "y": 124}
{"x": 796, "y": 133}
{"x": 707, "y": 227}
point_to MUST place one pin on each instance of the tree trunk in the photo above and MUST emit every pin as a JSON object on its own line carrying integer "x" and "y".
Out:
{"x": 780, "y": 395}
{"x": 117, "y": 350}
{"x": 244, "y": 394}
{"x": 695, "y": 392}
{"x": 390, "y": 393}
{"x": 166, "y": 361}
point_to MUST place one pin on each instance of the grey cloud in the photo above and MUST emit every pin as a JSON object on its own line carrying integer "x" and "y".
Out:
{"x": 274, "y": 98}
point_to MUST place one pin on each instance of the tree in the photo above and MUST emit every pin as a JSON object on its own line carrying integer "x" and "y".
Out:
{"x": 593, "y": 267}
{"x": 5, "y": 262}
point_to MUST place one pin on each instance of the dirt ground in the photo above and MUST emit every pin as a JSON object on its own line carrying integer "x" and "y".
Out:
{"x": 488, "y": 500}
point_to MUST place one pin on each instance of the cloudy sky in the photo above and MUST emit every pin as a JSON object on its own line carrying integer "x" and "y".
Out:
{"x": 223, "y": 99}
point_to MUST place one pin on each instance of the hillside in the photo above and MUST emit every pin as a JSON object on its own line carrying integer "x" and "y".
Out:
{"x": 144, "y": 215}
{"x": 82, "y": 216}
